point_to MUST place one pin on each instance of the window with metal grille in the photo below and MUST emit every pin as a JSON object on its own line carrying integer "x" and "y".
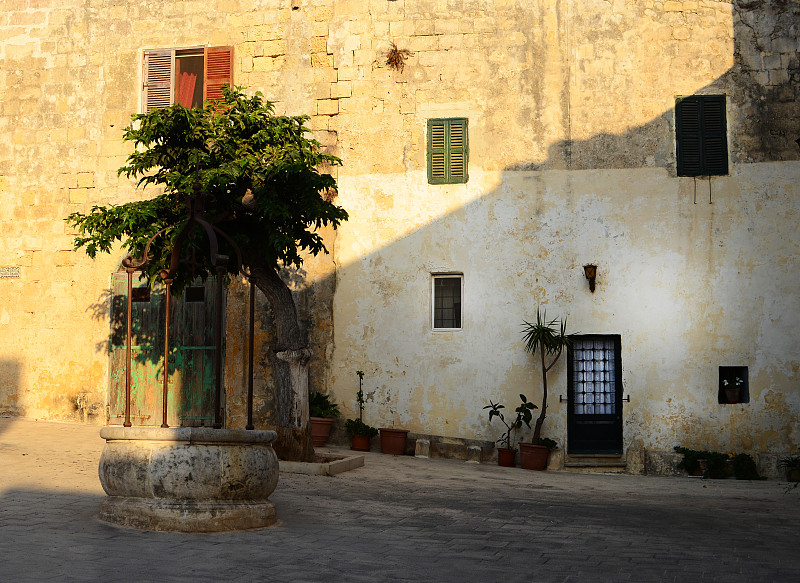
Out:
{"x": 594, "y": 363}
{"x": 447, "y": 302}
{"x": 187, "y": 76}
{"x": 448, "y": 149}
{"x": 702, "y": 135}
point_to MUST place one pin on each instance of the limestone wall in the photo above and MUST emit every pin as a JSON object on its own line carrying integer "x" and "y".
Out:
{"x": 571, "y": 160}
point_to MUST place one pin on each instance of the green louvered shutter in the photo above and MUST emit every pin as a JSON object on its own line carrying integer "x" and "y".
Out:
{"x": 701, "y": 128}
{"x": 158, "y": 79}
{"x": 448, "y": 150}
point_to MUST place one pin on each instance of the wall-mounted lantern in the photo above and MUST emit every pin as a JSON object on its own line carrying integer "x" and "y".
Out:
{"x": 591, "y": 273}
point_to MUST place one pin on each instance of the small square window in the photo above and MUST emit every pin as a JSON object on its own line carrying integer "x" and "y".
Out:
{"x": 734, "y": 385}
{"x": 447, "y": 291}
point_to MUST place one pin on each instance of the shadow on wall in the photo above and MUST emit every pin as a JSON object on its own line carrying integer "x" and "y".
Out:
{"x": 764, "y": 122}
{"x": 650, "y": 247}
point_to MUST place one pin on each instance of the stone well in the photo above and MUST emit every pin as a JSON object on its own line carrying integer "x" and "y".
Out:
{"x": 188, "y": 479}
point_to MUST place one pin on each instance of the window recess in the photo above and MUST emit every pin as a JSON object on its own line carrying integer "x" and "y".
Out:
{"x": 448, "y": 151}
{"x": 701, "y": 135}
{"x": 187, "y": 76}
{"x": 447, "y": 306}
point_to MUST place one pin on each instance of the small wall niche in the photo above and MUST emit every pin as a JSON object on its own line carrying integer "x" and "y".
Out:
{"x": 734, "y": 385}
{"x": 195, "y": 294}
{"x": 140, "y": 295}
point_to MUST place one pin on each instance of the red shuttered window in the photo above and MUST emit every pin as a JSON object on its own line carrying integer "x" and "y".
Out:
{"x": 186, "y": 76}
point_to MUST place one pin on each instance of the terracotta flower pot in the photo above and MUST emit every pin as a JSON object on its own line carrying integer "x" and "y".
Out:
{"x": 533, "y": 457}
{"x": 393, "y": 441}
{"x": 506, "y": 457}
{"x": 320, "y": 430}
{"x": 360, "y": 443}
{"x": 732, "y": 395}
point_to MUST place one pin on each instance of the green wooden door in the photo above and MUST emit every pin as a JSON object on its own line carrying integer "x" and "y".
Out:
{"x": 190, "y": 370}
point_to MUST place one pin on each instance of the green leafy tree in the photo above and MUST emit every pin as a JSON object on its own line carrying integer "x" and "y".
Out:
{"x": 267, "y": 189}
{"x": 550, "y": 341}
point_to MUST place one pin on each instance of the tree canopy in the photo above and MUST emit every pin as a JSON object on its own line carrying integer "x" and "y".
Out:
{"x": 264, "y": 177}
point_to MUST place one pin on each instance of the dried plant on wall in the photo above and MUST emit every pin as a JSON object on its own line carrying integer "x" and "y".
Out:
{"x": 396, "y": 58}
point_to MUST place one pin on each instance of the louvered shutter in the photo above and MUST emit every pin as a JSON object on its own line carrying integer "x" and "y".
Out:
{"x": 715, "y": 147}
{"x": 447, "y": 151}
{"x": 218, "y": 71}
{"x": 158, "y": 79}
{"x": 437, "y": 154}
{"x": 702, "y": 145}
{"x": 457, "y": 149}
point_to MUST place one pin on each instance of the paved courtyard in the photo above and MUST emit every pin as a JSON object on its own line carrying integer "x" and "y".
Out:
{"x": 400, "y": 519}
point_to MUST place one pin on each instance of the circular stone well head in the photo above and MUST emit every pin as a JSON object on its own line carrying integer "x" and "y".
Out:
{"x": 188, "y": 479}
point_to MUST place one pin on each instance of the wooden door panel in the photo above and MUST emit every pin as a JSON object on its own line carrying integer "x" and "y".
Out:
{"x": 191, "y": 380}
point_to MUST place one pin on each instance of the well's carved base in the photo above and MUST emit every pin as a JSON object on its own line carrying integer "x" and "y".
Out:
{"x": 187, "y": 515}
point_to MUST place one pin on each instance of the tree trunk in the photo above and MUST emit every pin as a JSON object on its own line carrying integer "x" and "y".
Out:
{"x": 294, "y": 429}
{"x": 537, "y": 429}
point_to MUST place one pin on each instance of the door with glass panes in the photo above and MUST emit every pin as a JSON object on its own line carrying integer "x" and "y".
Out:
{"x": 594, "y": 378}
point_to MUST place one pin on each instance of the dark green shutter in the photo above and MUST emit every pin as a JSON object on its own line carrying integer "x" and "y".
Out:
{"x": 448, "y": 149}
{"x": 701, "y": 128}
{"x": 437, "y": 155}
{"x": 715, "y": 128}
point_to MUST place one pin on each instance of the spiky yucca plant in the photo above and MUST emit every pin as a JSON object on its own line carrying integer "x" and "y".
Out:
{"x": 549, "y": 341}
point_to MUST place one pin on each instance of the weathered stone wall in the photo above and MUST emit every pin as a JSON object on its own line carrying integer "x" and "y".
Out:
{"x": 72, "y": 78}
{"x": 572, "y": 160}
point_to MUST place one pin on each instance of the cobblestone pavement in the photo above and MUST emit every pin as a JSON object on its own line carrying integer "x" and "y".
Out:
{"x": 400, "y": 519}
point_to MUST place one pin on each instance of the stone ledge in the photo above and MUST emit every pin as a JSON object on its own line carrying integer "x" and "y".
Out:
{"x": 194, "y": 435}
{"x": 336, "y": 464}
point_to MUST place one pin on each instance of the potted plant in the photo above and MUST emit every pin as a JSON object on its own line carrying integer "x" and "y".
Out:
{"x": 323, "y": 413}
{"x": 733, "y": 389}
{"x": 360, "y": 432}
{"x": 393, "y": 440}
{"x": 549, "y": 341}
{"x": 791, "y": 464}
{"x": 507, "y": 453}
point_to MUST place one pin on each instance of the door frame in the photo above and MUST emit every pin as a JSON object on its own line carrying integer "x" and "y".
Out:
{"x": 595, "y": 433}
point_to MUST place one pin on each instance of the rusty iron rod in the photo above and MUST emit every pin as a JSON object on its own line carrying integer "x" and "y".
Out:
{"x": 128, "y": 318}
{"x": 168, "y": 283}
{"x": 218, "y": 350}
{"x": 250, "y": 357}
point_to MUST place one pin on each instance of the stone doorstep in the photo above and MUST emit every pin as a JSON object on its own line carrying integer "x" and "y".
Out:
{"x": 336, "y": 465}
{"x": 601, "y": 463}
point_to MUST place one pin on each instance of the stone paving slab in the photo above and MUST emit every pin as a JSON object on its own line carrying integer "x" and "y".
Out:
{"x": 400, "y": 519}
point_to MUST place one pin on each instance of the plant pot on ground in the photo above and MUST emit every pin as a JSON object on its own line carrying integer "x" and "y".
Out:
{"x": 506, "y": 453}
{"x": 360, "y": 433}
{"x": 506, "y": 457}
{"x": 393, "y": 441}
{"x": 534, "y": 456}
{"x": 791, "y": 465}
{"x": 323, "y": 413}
